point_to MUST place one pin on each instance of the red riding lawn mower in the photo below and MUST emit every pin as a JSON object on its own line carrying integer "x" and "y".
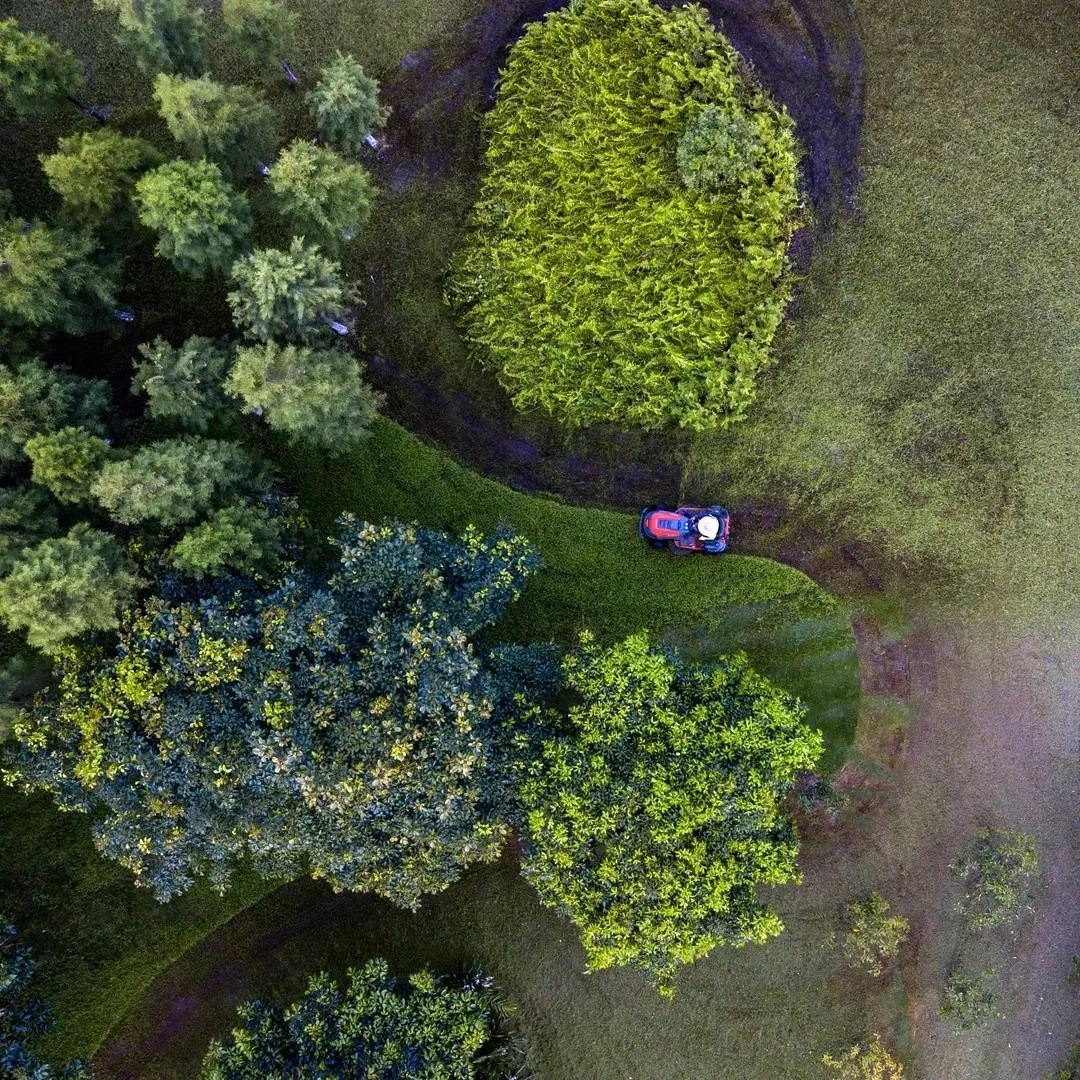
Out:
{"x": 703, "y": 529}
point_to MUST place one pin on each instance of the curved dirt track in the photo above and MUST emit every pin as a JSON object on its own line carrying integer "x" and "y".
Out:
{"x": 806, "y": 53}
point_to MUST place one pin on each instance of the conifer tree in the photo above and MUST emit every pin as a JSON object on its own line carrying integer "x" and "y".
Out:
{"x": 35, "y": 73}
{"x": 286, "y": 294}
{"x": 345, "y": 104}
{"x": 182, "y": 383}
{"x": 201, "y": 222}
{"x": 231, "y": 126}
{"x": 260, "y": 31}
{"x": 66, "y": 462}
{"x": 165, "y": 35}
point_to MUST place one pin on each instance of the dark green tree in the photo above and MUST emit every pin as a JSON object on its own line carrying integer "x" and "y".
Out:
{"x": 374, "y": 1027}
{"x": 314, "y": 395}
{"x": 320, "y": 194}
{"x": 231, "y": 126}
{"x": 201, "y": 222}
{"x": 35, "y": 73}
{"x": 66, "y": 462}
{"x": 37, "y": 399}
{"x": 175, "y": 480}
{"x": 24, "y": 1017}
{"x": 286, "y": 294}
{"x": 344, "y": 727}
{"x": 164, "y": 35}
{"x": 66, "y": 587}
{"x": 48, "y": 277}
{"x": 657, "y": 810}
{"x": 241, "y": 538}
{"x": 94, "y": 171}
{"x": 345, "y": 104}
{"x": 260, "y": 31}
{"x": 27, "y": 516}
{"x": 182, "y": 383}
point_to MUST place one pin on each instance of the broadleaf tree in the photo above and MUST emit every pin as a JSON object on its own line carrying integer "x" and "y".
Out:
{"x": 340, "y": 726}
{"x": 286, "y": 294}
{"x": 313, "y": 395}
{"x": 164, "y": 35}
{"x": 201, "y": 222}
{"x": 65, "y": 587}
{"x": 345, "y": 104}
{"x": 656, "y": 810}
{"x": 232, "y": 126}
{"x": 35, "y": 72}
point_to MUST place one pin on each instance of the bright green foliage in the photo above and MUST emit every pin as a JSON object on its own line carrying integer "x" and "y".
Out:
{"x": 241, "y": 538}
{"x": 48, "y": 278}
{"x": 868, "y": 1060}
{"x": 66, "y": 587}
{"x": 27, "y": 516}
{"x": 345, "y": 104}
{"x": 374, "y": 1027}
{"x": 286, "y": 294}
{"x": 999, "y": 872}
{"x": 322, "y": 195}
{"x": 970, "y": 1001}
{"x": 342, "y": 726}
{"x": 35, "y": 73}
{"x": 65, "y": 462}
{"x": 174, "y": 481}
{"x": 260, "y": 31}
{"x": 654, "y": 816}
{"x": 165, "y": 35}
{"x": 719, "y": 151}
{"x": 598, "y": 286}
{"x": 232, "y": 126}
{"x": 874, "y": 936}
{"x": 314, "y": 395}
{"x": 182, "y": 383}
{"x": 201, "y": 222}
{"x": 37, "y": 399}
{"x": 95, "y": 170}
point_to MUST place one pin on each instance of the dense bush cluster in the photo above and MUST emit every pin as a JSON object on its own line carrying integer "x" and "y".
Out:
{"x": 374, "y": 1026}
{"x": 627, "y": 256}
{"x": 874, "y": 935}
{"x": 999, "y": 871}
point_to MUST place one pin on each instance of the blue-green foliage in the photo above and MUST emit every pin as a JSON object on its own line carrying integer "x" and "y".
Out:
{"x": 375, "y": 1027}
{"x": 23, "y": 1017}
{"x": 342, "y": 725}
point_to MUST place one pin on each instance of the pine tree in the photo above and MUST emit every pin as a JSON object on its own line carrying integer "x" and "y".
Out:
{"x": 182, "y": 384}
{"x": 165, "y": 35}
{"x": 345, "y": 104}
{"x": 201, "y": 222}
{"x": 321, "y": 195}
{"x": 242, "y": 538}
{"x": 286, "y": 294}
{"x": 48, "y": 277}
{"x": 66, "y": 462}
{"x": 313, "y": 395}
{"x": 231, "y": 126}
{"x": 260, "y": 31}
{"x": 35, "y": 73}
{"x": 94, "y": 171}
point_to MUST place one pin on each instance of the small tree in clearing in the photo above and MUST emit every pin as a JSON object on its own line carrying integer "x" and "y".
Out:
{"x": 201, "y": 222}
{"x": 259, "y": 30}
{"x": 286, "y": 294}
{"x": 164, "y": 35}
{"x": 314, "y": 395}
{"x": 865, "y": 1061}
{"x": 345, "y": 104}
{"x": 35, "y": 73}
{"x": 874, "y": 936}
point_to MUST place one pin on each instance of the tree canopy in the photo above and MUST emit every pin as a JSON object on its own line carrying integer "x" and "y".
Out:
{"x": 35, "y": 72}
{"x": 657, "y": 809}
{"x": 339, "y": 725}
{"x": 182, "y": 383}
{"x": 345, "y": 104}
{"x": 164, "y": 35}
{"x": 259, "y": 30}
{"x": 65, "y": 462}
{"x": 373, "y": 1027}
{"x": 598, "y": 286}
{"x": 314, "y": 395}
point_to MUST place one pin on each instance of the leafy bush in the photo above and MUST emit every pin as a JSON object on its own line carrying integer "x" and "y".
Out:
{"x": 874, "y": 936}
{"x": 998, "y": 874}
{"x": 653, "y": 816}
{"x": 374, "y": 1027}
{"x": 866, "y": 1061}
{"x": 66, "y": 462}
{"x": 66, "y": 587}
{"x": 315, "y": 395}
{"x": 970, "y": 1001}
{"x": 339, "y": 726}
{"x": 182, "y": 383}
{"x": 597, "y": 285}
{"x": 345, "y": 104}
